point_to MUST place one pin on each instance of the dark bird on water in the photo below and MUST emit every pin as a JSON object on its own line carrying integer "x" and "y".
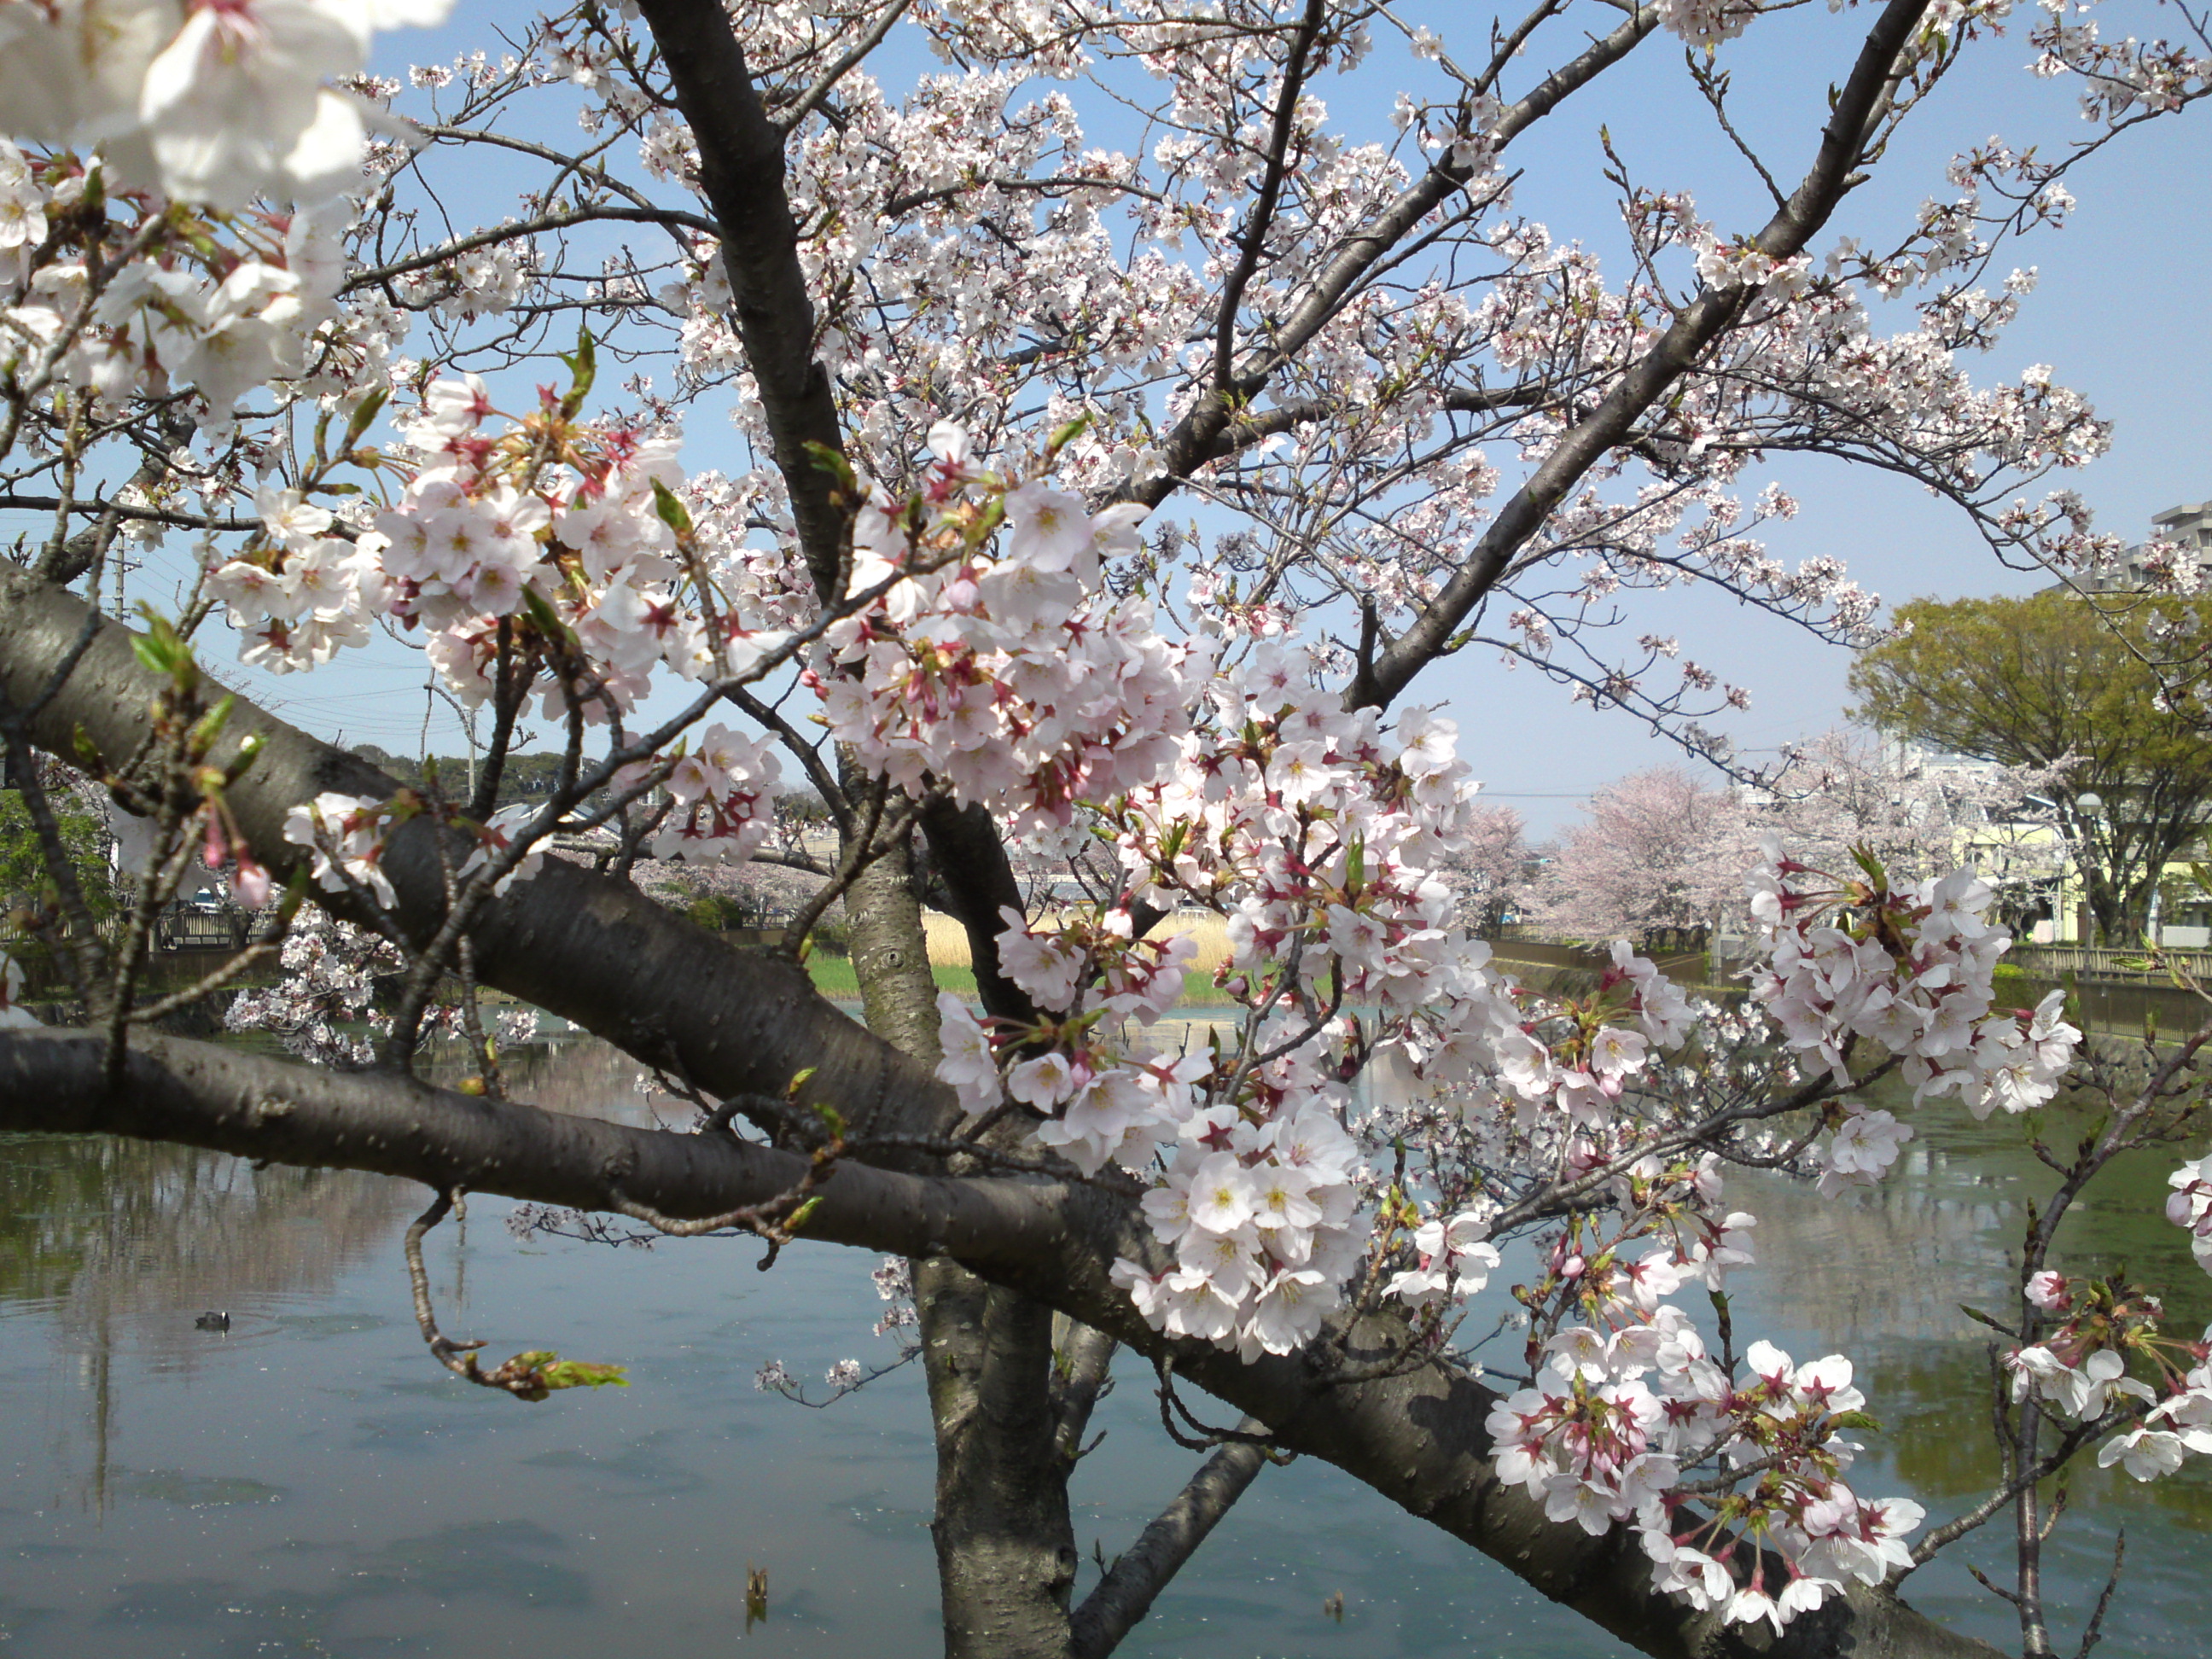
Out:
{"x": 213, "y": 1321}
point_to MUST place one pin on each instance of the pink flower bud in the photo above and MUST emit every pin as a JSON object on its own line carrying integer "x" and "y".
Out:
{"x": 250, "y": 882}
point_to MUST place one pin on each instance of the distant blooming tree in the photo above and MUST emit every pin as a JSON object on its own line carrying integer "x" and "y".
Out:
{"x": 1920, "y": 813}
{"x": 969, "y": 346}
{"x": 1491, "y": 868}
{"x": 1661, "y": 849}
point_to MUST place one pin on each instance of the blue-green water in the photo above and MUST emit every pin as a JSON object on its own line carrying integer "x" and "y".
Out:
{"x": 310, "y": 1484}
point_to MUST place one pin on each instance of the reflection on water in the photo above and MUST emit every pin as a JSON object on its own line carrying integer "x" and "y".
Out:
{"x": 122, "y": 1247}
{"x": 120, "y": 1241}
{"x": 1881, "y": 1275}
{"x": 309, "y": 1483}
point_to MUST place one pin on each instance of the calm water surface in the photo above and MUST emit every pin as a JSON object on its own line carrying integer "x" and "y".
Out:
{"x": 310, "y": 1484}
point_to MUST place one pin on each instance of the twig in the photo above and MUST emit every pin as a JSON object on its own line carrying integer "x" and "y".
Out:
{"x": 2094, "y": 1628}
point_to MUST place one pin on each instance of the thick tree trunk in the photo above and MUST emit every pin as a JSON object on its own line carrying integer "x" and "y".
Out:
{"x": 890, "y": 960}
{"x": 1006, "y": 1545}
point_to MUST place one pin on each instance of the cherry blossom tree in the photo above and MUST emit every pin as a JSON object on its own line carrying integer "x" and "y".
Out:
{"x": 1921, "y": 814}
{"x": 970, "y": 352}
{"x": 1491, "y": 868}
{"x": 1661, "y": 849}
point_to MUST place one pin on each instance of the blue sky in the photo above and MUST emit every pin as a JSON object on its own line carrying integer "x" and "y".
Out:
{"x": 2119, "y": 313}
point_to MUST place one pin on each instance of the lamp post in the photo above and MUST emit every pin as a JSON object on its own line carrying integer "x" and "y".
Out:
{"x": 2089, "y": 808}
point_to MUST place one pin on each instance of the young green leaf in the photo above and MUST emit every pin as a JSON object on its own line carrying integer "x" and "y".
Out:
{"x": 671, "y": 507}
{"x": 583, "y": 369}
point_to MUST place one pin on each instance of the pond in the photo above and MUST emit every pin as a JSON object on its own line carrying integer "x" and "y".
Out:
{"x": 309, "y": 1483}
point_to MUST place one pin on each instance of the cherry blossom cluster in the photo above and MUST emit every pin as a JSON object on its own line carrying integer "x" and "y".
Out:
{"x": 221, "y": 304}
{"x": 1097, "y": 1108}
{"x": 324, "y": 1009}
{"x": 1604, "y": 1435}
{"x": 347, "y": 837}
{"x": 1584, "y": 1057}
{"x": 300, "y": 594}
{"x": 507, "y": 544}
{"x": 324, "y": 1003}
{"x": 554, "y": 557}
{"x": 1258, "y": 1214}
{"x": 2189, "y": 1205}
{"x": 1315, "y": 833}
{"x": 205, "y": 102}
{"x": 2130, "y": 75}
{"x": 894, "y": 1283}
{"x": 1300, "y": 832}
{"x": 999, "y": 668}
{"x": 1626, "y": 1400}
{"x": 1851, "y": 958}
{"x": 1308, "y": 831}
{"x": 724, "y": 791}
{"x": 2079, "y": 1371}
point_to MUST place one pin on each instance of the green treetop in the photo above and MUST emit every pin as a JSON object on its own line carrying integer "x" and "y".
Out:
{"x": 2056, "y": 680}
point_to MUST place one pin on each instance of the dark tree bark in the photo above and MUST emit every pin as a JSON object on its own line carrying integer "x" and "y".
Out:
{"x": 1125, "y": 1594}
{"x": 1005, "y": 1542}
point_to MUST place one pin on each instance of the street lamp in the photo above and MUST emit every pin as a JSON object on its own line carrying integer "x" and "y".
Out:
{"x": 2090, "y": 805}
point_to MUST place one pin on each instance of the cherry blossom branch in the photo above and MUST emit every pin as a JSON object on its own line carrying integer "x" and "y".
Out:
{"x": 2023, "y": 1480}
{"x": 1259, "y": 216}
{"x": 1196, "y": 433}
{"x": 529, "y": 1376}
{"x": 1022, "y": 1233}
{"x": 2093, "y": 1630}
{"x": 446, "y": 251}
{"x": 808, "y": 756}
{"x": 124, "y": 512}
{"x": 971, "y": 860}
{"x": 741, "y": 168}
{"x": 787, "y": 120}
{"x": 1083, "y": 1361}
{"x": 1842, "y": 146}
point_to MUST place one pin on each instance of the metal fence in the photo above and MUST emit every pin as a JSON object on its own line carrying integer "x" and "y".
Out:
{"x": 179, "y": 925}
{"x": 2104, "y": 961}
{"x": 191, "y": 927}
